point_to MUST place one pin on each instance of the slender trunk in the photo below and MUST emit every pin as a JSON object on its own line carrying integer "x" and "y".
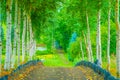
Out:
{"x": 27, "y": 42}
{"x": 108, "y": 44}
{"x": 82, "y": 50}
{"x": 31, "y": 40}
{"x": 99, "y": 55}
{"x": 10, "y": 47}
{"x": 7, "y": 59}
{"x": 87, "y": 49}
{"x": 13, "y": 59}
{"x": 18, "y": 34}
{"x": 118, "y": 38}
{"x": 0, "y": 40}
{"x": 8, "y": 39}
{"x": 89, "y": 40}
{"x": 23, "y": 39}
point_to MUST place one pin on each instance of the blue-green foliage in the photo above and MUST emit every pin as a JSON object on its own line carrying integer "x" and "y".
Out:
{"x": 74, "y": 47}
{"x": 73, "y": 38}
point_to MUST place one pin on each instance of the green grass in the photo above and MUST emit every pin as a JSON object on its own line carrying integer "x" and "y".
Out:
{"x": 54, "y": 60}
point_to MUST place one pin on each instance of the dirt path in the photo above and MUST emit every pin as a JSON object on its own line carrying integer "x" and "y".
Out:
{"x": 59, "y": 73}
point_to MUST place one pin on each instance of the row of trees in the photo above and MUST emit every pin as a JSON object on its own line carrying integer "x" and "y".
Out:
{"x": 98, "y": 33}
{"x": 17, "y": 19}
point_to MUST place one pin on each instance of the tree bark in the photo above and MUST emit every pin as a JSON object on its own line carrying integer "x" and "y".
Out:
{"x": 31, "y": 40}
{"x": 27, "y": 38}
{"x": 89, "y": 40}
{"x": 18, "y": 35}
{"x": 87, "y": 49}
{"x": 118, "y": 38}
{"x": 23, "y": 38}
{"x": 98, "y": 38}
{"x": 108, "y": 44}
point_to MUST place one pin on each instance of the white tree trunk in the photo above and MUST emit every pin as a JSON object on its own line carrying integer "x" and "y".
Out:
{"x": 108, "y": 44}
{"x": 82, "y": 50}
{"x": 8, "y": 39}
{"x": 18, "y": 35}
{"x": 31, "y": 41}
{"x": 13, "y": 59}
{"x": 87, "y": 49}
{"x": 118, "y": 38}
{"x": 98, "y": 38}
{"x": 23, "y": 39}
{"x": 89, "y": 40}
{"x": 0, "y": 40}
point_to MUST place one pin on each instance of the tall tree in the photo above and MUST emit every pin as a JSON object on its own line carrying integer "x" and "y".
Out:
{"x": 8, "y": 39}
{"x": 108, "y": 44}
{"x": 98, "y": 37}
{"x": 23, "y": 38}
{"x": 18, "y": 34}
{"x": 89, "y": 40}
{"x": 0, "y": 38}
{"x": 13, "y": 59}
{"x": 87, "y": 49}
{"x": 118, "y": 37}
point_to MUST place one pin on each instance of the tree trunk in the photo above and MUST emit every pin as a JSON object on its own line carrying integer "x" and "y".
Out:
{"x": 87, "y": 49}
{"x": 118, "y": 38}
{"x": 13, "y": 59}
{"x": 27, "y": 38}
{"x": 82, "y": 50}
{"x": 31, "y": 40}
{"x": 8, "y": 39}
{"x": 23, "y": 39}
{"x": 89, "y": 40}
{"x": 18, "y": 35}
{"x": 98, "y": 43}
{"x": 0, "y": 39}
{"x": 108, "y": 44}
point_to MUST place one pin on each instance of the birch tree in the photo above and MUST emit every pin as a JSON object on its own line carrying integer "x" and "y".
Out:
{"x": 13, "y": 59}
{"x": 87, "y": 49}
{"x": 98, "y": 37}
{"x": 23, "y": 38}
{"x": 108, "y": 44}
{"x": 89, "y": 40}
{"x": 82, "y": 50}
{"x": 118, "y": 37}
{"x": 27, "y": 42}
{"x": 0, "y": 39}
{"x": 18, "y": 34}
{"x": 31, "y": 40}
{"x": 8, "y": 39}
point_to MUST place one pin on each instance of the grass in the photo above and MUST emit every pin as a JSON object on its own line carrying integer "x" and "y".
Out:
{"x": 54, "y": 60}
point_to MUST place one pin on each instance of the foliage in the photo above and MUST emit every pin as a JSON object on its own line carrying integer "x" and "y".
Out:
{"x": 74, "y": 49}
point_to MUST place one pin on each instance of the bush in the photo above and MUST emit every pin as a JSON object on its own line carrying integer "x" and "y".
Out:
{"x": 74, "y": 49}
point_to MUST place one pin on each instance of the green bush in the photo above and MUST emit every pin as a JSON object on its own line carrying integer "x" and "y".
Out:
{"x": 74, "y": 50}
